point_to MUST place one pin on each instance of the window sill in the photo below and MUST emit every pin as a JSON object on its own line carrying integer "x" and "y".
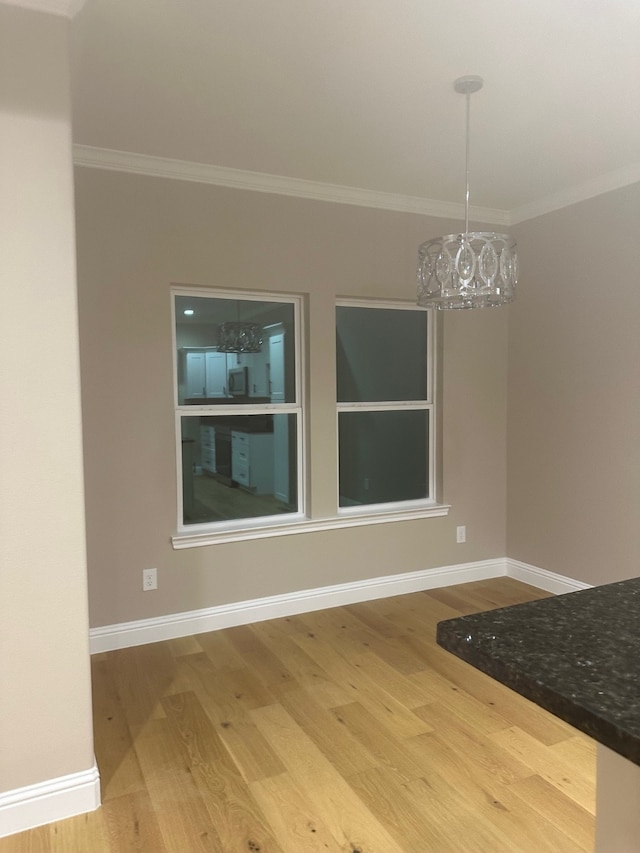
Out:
{"x": 195, "y": 539}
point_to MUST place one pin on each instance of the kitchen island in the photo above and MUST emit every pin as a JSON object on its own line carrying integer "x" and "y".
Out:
{"x": 578, "y": 656}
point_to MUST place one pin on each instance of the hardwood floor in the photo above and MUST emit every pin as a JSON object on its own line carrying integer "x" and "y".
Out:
{"x": 216, "y": 501}
{"x": 342, "y": 731}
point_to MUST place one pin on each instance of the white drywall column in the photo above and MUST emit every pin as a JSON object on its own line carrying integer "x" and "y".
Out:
{"x": 618, "y": 796}
{"x": 45, "y": 698}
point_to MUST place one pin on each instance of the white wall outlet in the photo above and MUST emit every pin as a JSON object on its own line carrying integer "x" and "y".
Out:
{"x": 149, "y": 579}
{"x": 461, "y": 534}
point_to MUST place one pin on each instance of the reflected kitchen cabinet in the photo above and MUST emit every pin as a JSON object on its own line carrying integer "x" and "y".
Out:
{"x": 277, "y": 372}
{"x": 202, "y": 374}
{"x": 215, "y": 373}
{"x": 194, "y": 369}
{"x": 259, "y": 372}
{"x": 252, "y": 461}
{"x": 208, "y": 448}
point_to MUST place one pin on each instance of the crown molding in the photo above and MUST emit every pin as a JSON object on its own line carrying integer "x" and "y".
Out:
{"x": 581, "y": 192}
{"x": 202, "y": 173}
{"x": 164, "y": 167}
{"x": 66, "y": 8}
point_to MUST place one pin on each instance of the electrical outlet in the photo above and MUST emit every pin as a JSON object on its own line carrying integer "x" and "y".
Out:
{"x": 149, "y": 579}
{"x": 461, "y": 534}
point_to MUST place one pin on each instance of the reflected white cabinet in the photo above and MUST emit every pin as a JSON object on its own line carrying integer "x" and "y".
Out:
{"x": 208, "y": 448}
{"x": 252, "y": 461}
{"x": 258, "y": 363}
{"x": 215, "y": 373}
{"x": 276, "y": 360}
{"x": 194, "y": 373}
{"x": 205, "y": 373}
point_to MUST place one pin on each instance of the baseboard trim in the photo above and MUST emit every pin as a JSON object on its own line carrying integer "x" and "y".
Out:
{"x": 138, "y": 633}
{"x": 543, "y": 579}
{"x": 46, "y": 802}
{"x": 126, "y": 634}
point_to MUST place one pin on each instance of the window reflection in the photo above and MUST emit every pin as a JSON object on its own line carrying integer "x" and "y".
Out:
{"x": 234, "y": 351}
{"x": 383, "y": 457}
{"x": 238, "y": 466}
{"x": 381, "y": 354}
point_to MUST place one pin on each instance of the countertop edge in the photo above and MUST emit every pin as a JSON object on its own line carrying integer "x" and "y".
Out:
{"x": 561, "y": 706}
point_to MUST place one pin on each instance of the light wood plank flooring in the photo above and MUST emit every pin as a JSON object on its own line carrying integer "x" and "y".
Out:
{"x": 342, "y": 731}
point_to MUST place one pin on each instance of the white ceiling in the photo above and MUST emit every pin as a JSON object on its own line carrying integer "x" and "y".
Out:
{"x": 358, "y": 93}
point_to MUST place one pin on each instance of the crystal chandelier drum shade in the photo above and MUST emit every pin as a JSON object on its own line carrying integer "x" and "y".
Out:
{"x": 475, "y": 269}
{"x": 240, "y": 337}
{"x": 478, "y": 269}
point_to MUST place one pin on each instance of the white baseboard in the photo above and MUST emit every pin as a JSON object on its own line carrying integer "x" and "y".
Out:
{"x": 127, "y": 634}
{"x": 543, "y": 579}
{"x": 46, "y": 802}
{"x": 169, "y": 627}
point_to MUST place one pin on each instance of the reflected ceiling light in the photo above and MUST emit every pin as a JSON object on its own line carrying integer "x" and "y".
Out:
{"x": 476, "y": 269}
{"x": 188, "y": 312}
{"x": 236, "y": 336}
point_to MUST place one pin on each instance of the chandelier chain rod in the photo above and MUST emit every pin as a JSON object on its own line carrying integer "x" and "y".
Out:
{"x": 466, "y": 197}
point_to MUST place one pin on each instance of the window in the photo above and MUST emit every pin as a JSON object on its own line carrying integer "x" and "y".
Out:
{"x": 384, "y": 378}
{"x": 238, "y": 410}
{"x": 240, "y": 431}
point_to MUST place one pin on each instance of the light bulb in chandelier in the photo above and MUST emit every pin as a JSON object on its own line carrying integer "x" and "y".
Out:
{"x": 474, "y": 269}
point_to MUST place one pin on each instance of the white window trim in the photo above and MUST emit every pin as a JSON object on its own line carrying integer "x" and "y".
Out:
{"x": 289, "y": 528}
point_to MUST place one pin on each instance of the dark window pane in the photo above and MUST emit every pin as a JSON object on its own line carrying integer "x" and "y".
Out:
{"x": 381, "y": 354}
{"x": 216, "y": 364}
{"x": 383, "y": 457}
{"x": 241, "y": 466}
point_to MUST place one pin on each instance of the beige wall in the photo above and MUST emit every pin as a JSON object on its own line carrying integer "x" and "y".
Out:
{"x": 45, "y": 702}
{"x": 574, "y": 401}
{"x": 136, "y": 236}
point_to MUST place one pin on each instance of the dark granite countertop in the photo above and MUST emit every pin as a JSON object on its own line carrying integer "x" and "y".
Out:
{"x": 577, "y": 655}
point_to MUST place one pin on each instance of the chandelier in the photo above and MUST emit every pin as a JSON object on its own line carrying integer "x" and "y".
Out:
{"x": 476, "y": 269}
{"x": 235, "y": 336}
